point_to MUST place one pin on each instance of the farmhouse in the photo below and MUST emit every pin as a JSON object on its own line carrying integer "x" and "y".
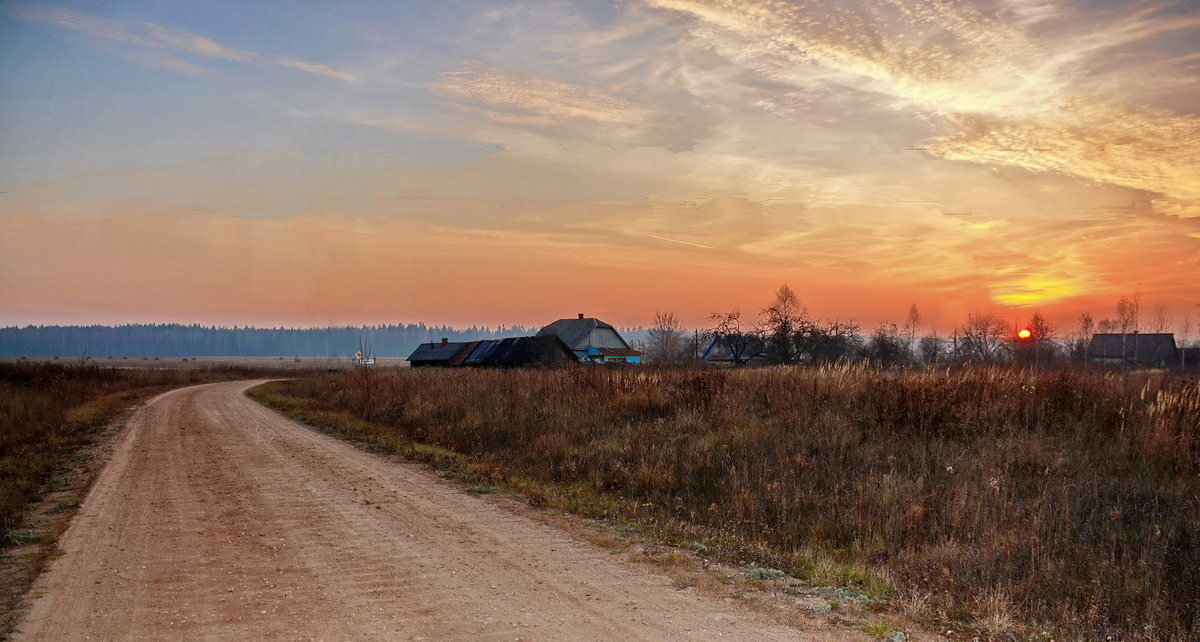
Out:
{"x": 592, "y": 340}
{"x": 1134, "y": 348}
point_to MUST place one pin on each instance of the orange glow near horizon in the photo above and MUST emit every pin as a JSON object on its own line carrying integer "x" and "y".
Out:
{"x": 618, "y": 159}
{"x": 328, "y": 269}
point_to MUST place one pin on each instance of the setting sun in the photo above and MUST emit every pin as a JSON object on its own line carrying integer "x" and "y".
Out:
{"x": 1024, "y": 334}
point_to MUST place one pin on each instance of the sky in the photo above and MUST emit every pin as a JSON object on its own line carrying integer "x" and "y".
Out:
{"x": 469, "y": 162}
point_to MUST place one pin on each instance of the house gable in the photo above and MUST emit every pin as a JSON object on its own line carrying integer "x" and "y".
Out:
{"x": 590, "y": 338}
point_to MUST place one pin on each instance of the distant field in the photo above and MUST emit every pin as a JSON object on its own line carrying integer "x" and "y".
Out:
{"x": 293, "y": 363}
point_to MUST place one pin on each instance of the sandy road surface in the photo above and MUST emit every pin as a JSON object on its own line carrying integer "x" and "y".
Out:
{"x": 218, "y": 518}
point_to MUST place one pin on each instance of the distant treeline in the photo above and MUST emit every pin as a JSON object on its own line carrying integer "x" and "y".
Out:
{"x": 176, "y": 340}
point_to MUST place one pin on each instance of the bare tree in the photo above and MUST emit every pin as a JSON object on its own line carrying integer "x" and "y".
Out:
{"x": 365, "y": 384}
{"x": 1081, "y": 337}
{"x": 697, "y": 342}
{"x": 1128, "y": 313}
{"x": 781, "y": 321}
{"x": 1128, "y": 320}
{"x": 1159, "y": 320}
{"x": 886, "y": 348}
{"x": 831, "y": 342}
{"x": 665, "y": 342}
{"x": 932, "y": 349}
{"x": 911, "y": 324}
{"x": 741, "y": 342}
{"x": 983, "y": 338}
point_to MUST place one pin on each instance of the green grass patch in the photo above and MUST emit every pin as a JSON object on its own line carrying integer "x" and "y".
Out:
{"x": 880, "y": 629}
{"x": 764, "y": 573}
{"x": 21, "y": 537}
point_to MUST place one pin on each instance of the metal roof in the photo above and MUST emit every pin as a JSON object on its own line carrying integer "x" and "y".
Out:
{"x": 620, "y": 352}
{"x": 464, "y": 353}
{"x": 436, "y": 352}
{"x": 1136, "y": 347}
{"x": 510, "y": 352}
{"x": 520, "y": 351}
{"x": 480, "y": 352}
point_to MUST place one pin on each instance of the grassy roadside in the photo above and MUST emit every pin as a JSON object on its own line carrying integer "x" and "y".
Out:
{"x": 48, "y": 487}
{"x": 844, "y": 595}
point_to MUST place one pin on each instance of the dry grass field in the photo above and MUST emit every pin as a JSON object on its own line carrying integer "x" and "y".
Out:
{"x": 996, "y": 500}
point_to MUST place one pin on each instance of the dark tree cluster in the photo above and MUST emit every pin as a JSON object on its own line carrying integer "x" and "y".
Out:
{"x": 175, "y": 340}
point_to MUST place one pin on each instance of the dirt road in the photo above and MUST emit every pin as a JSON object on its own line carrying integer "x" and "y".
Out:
{"x": 218, "y": 518}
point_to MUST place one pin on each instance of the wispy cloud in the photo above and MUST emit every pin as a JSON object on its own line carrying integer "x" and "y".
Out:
{"x": 1135, "y": 147}
{"x": 192, "y": 43}
{"x": 315, "y": 68}
{"x": 535, "y": 100}
{"x": 160, "y": 46}
{"x": 1004, "y": 92}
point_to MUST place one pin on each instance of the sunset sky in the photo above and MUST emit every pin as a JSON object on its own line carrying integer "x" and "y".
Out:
{"x": 308, "y": 163}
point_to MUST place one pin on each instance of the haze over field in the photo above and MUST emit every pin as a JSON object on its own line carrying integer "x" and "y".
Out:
{"x": 518, "y": 162}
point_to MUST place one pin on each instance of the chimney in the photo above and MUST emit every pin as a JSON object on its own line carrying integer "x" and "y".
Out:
{"x": 580, "y": 315}
{"x": 445, "y": 341}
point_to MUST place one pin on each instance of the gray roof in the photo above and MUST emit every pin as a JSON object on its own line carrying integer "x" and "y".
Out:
{"x": 1136, "y": 347}
{"x": 576, "y": 333}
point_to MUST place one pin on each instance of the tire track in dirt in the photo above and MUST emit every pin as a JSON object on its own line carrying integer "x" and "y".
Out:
{"x": 219, "y": 518}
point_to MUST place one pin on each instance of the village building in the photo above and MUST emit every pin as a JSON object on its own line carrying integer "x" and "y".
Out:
{"x": 519, "y": 352}
{"x": 721, "y": 351}
{"x": 513, "y": 352}
{"x": 435, "y": 354}
{"x": 1154, "y": 350}
{"x": 592, "y": 340}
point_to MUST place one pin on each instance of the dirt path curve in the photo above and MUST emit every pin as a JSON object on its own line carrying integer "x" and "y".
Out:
{"x": 218, "y": 518}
